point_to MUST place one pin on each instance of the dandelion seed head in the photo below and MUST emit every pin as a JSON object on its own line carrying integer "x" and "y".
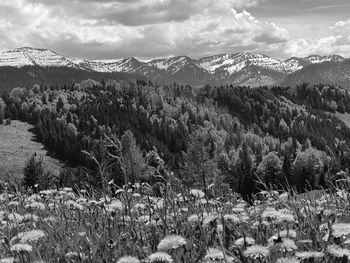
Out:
{"x": 288, "y": 260}
{"x": 160, "y": 257}
{"x": 15, "y": 217}
{"x": 256, "y": 251}
{"x": 128, "y": 259}
{"x": 73, "y": 254}
{"x": 290, "y": 233}
{"x": 337, "y": 251}
{"x": 197, "y": 193}
{"x": 114, "y": 206}
{"x": 341, "y": 229}
{"x": 21, "y": 248}
{"x": 309, "y": 254}
{"x": 81, "y": 200}
{"x": 284, "y": 196}
{"x": 30, "y": 217}
{"x": 48, "y": 192}
{"x": 193, "y": 219}
{"x": 285, "y": 216}
{"x": 209, "y": 218}
{"x": 73, "y": 205}
{"x": 270, "y": 213}
{"x": 248, "y": 240}
{"x": 232, "y": 217}
{"x": 7, "y": 260}
{"x": 288, "y": 245}
{"x": 36, "y": 205}
{"x": 171, "y": 242}
{"x": 13, "y": 203}
{"x": 214, "y": 254}
{"x": 29, "y": 236}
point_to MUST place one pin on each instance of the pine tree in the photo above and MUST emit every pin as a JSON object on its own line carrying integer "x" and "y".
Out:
{"x": 2, "y": 111}
{"x": 33, "y": 171}
{"x": 270, "y": 170}
{"x": 60, "y": 104}
{"x": 201, "y": 169}
{"x": 246, "y": 184}
{"x": 133, "y": 160}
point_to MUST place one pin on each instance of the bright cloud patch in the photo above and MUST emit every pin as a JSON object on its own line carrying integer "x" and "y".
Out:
{"x": 155, "y": 28}
{"x": 337, "y": 43}
{"x": 105, "y": 29}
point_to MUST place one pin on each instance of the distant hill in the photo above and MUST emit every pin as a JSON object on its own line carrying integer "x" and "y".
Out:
{"x": 25, "y": 66}
{"x": 337, "y": 73}
{"x": 11, "y": 77}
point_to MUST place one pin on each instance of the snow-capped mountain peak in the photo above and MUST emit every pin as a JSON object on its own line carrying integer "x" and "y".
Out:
{"x": 232, "y": 63}
{"x": 237, "y": 68}
{"x": 174, "y": 64}
{"x": 27, "y": 56}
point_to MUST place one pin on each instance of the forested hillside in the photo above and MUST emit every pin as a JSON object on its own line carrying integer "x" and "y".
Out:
{"x": 11, "y": 77}
{"x": 211, "y": 138}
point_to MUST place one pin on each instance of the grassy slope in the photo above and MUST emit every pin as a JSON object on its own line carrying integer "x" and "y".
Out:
{"x": 16, "y": 145}
{"x": 345, "y": 117}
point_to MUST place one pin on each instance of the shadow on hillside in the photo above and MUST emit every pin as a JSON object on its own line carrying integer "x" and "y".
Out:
{"x": 49, "y": 153}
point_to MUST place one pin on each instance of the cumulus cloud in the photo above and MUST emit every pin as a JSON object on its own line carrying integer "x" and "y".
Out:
{"x": 143, "y": 28}
{"x": 337, "y": 43}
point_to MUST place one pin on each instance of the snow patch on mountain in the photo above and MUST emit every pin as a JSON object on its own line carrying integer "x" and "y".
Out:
{"x": 217, "y": 68}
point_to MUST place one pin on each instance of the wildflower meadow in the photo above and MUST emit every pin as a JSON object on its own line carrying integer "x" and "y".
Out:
{"x": 134, "y": 226}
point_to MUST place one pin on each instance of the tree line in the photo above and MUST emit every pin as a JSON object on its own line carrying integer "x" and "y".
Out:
{"x": 214, "y": 138}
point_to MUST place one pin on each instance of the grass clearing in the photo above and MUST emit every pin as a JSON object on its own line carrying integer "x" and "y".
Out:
{"x": 17, "y": 143}
{"x": 344, "y": 117}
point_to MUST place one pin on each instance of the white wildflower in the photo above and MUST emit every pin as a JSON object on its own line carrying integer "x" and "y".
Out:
{"x": 232, "y": 217}
{"x": 128, "y": 259}
{"x": 309, "y": 254}
{"x": 287, "y": 245}
{"x": 171, "y": 242}
{"x": 73, "y": 205}
{"x": 21, "y": 247}
{"x": 214, "y": 254}
{"x": 341, "y": 229}
{"x": 160, "y": 257}
{"x": 338, "y": 252}
{"x": 29, "y": 236}
{"x": 194, "y": 219}
{"x": 270, "y": 213}
{"x": 197, "y": 193}
{"x": 13, "y": 203}
{"x": 248, "y": 240}
{"x": 15, "y": 217}
{"x": 288, "y": 260}
{"x": 256, "y": 251}
{"x": 114, "y": 206}
{"x": 36, "y": 205}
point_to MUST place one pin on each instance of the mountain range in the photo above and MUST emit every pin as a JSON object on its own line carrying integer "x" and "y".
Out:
{"x": 243, "y": 68}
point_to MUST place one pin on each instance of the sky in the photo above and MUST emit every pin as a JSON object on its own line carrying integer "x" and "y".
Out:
{"x": 111, "y": 29}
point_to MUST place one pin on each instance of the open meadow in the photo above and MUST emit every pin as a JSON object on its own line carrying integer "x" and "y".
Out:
{"x": 17, "y": 144}
{"x": 67, "y": 226}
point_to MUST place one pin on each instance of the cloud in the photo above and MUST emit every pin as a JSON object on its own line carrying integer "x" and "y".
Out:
{"x": 142, "y": 28}
{"x": 138, "y": 12}
{"x": 337, "y": 43}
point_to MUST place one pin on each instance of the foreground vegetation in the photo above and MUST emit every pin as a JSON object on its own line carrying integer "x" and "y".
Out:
{"x": 186, "y": 226}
